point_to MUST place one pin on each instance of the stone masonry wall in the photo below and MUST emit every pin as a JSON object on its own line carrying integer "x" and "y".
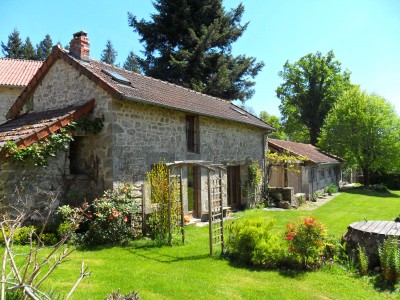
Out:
{"x": 28, "y": 186}
{"x": 145, "y": 135}
{"x": 63, "y": 86}
{"x": 8, "y": 95}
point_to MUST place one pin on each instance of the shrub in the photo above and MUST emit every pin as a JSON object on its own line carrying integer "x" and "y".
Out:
{"x": 306, "y": 239}
{"x": 250, "y": 241}
{"x": 23, "y": 234}
{"x": 49, "y": 239}
{"x": 331, "y": 189}
{"x": 379, "y": 188}
{"x": 112, "y": 218}
{"x": 389, "y": 256}
{"x": 301, "y": 199}
{"x": 166, "y": 211}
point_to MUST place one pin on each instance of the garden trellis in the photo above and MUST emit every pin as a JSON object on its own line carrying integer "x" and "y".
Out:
{"x": 215, "y": 175}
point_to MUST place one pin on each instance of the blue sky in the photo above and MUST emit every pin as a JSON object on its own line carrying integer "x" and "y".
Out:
{"x": 364, "y": 35}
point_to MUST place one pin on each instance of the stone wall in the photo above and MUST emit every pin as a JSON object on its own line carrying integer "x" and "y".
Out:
{"x": 145, "y": 135}
{"x": 28, "y": 186}
{"x": 8, "y": 95}
{"x": 62, "y": 86}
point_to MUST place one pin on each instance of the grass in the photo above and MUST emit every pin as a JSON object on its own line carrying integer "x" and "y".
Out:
{"x": 183, "y": 272}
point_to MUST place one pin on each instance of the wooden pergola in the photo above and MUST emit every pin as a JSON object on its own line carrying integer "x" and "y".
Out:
{"x": 215, "y": 175}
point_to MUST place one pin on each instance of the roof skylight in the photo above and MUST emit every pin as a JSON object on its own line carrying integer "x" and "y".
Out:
{"x": 117, "y": 77}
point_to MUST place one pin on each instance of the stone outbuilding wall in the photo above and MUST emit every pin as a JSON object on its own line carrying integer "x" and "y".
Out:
{"x": 8, "y": 95}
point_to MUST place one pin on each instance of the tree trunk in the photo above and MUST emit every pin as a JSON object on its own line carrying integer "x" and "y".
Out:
{"x": 313, "y": 136}
{"x": 366, "y": 173}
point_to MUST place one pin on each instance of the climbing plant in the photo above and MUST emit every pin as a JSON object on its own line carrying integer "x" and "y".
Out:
{"x": 252, "y": 187}
{"x": 284, "y": 159}
{"x": 166, "y": 211}
{"x": 39, "y": 153}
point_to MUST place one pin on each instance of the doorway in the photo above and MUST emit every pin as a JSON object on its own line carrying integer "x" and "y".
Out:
{"x": 234, "y": 190}
{"x": 193, "y": 190}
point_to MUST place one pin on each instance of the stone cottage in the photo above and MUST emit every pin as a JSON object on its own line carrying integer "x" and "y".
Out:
{"x": 145, "y": 121}
{"x": 313, "y": 175}
{"x": 15, "y": 74}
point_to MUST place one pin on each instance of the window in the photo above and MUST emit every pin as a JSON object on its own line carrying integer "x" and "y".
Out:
{"x": 76, "y": 156}
{"x": 192, "y": 134}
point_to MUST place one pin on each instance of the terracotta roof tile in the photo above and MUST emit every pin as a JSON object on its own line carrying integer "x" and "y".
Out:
{"x": 31, "y": 127}
{"x": 312, "y": 153}
{"x": 143, "y": 89}
{"x": 17, "y": 72}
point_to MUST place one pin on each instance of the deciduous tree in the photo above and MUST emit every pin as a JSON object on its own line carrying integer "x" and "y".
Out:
{"x": 275, "y": 122}
{"x": 364, "y": 129}
{"x": 310, "y": 88}
{"x": 189, "y": 43}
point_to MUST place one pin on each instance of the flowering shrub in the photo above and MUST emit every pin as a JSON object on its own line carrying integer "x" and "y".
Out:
{"x": 112, "y": 218}
{"x": 306, "y": 239}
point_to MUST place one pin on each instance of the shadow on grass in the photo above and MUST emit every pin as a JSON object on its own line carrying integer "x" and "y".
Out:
{"x": 382, "y": 285}
{"x": 365, "y": 192}
{"x": 165, "y": 258}
{"x": 140, "y": 243}
{"x": 284, "y": 270}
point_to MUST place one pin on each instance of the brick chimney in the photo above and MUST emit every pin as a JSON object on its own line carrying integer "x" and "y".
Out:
{"x": 79, "y": 46}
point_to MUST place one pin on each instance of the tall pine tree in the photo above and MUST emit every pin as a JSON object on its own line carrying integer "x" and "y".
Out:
{"x": 43, "y": 49}
{"x": 189, "y": 43}
{"x": 13, "y": 48}
{"x": 28, "y": 52}
{"x": 131, "y": 63}
{"x": 109, "y": 54}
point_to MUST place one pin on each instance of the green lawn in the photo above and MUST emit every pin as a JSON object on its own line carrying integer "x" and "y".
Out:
{"x": 187, "y": 272}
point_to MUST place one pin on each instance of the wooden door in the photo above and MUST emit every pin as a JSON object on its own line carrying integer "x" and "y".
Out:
{"x": 234, "y": 190}
{"x": 193, "y": 191}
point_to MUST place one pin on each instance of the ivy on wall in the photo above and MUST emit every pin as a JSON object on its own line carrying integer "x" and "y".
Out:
{"x": 39, "y": 153}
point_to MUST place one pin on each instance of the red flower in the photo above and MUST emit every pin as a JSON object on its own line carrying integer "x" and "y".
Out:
{"x": 290, "y": 236}
{"x": 89, "y": 216}
{"x": 125, "y": 218}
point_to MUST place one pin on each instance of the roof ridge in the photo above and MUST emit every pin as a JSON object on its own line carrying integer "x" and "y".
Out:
{"x": 21, "y": 59}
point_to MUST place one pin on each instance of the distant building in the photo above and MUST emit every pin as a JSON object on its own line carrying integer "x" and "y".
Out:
{"x": 314, "y": 174}
{"x": 15, "y": 75}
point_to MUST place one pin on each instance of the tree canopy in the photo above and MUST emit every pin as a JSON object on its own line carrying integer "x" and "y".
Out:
{"x": 275, "y": 122}
{"x": 28, "y": 52}
{"x": 310, "y": 88}
{"x": 131, "y": 63}
{"x": 43, "y": 49}
{"x": 13, "y": 48}
{"x": 364, "y": 129}
{"x": 189, "y": 43}
{"x": 109, "y": 54}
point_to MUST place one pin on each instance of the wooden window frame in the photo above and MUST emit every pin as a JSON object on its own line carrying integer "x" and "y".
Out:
{"x": 193, "y": 133}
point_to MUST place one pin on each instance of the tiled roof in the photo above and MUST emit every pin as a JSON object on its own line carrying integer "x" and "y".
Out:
{"x": 17, "y": 72}
{"x": 312, "y": 153}
{"x": 144, "y": 89}
{"x": 32, "y": 127}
